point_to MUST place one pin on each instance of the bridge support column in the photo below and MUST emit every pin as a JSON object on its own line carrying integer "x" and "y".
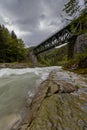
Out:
{"x": 71, "y": 45}
{"x": 33, "y": 58}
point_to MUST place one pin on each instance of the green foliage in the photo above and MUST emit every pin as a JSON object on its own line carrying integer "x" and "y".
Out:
{"x": 79, "y": 23}
{"x": 11, "y": 48}
{"x": 78, "y": 64}
{"x": 54, "y": 57}
{"x": 72, "y": 7}
{"x": 81, "y": 56}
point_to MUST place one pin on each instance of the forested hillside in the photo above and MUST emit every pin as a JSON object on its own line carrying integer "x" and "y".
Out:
{"x": 57, "y": 56}
{"x": 11, "y": 48}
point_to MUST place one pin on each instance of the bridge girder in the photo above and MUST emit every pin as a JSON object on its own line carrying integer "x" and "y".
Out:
{"x": 57, "y": 39}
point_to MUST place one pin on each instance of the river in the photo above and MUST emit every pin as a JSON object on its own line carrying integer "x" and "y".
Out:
{"x": 15, "y": 86}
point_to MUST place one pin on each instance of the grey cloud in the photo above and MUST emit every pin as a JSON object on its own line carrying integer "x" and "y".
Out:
{"x": 38, "y": 17}
{"x": 42, "y": 16}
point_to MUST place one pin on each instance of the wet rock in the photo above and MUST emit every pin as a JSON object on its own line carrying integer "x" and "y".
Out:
{"x": 60, "y": 112}
{"x": 59, "y": 87}
{"x": 58, "y": 105}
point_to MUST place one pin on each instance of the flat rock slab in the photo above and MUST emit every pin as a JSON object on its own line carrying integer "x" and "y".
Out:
{"x": 58, "y": 105}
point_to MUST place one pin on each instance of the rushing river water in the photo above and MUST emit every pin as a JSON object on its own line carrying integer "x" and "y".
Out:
{"x": 15, "y": 86}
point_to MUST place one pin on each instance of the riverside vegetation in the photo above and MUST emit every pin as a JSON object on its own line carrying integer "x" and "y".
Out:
{"x": 12, "y": 50}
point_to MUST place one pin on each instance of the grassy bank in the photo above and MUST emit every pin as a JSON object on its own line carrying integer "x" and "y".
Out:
{"x": 54, "y": 57}
{"x": 78, "y": 65}
{"x": 15, "y": 65}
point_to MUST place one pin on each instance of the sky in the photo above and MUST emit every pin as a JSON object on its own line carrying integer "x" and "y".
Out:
{"x": 32, "y": 20}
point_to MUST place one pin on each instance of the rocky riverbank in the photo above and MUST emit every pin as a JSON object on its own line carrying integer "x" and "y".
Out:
{"x": 16, "y": 65}
{"x": 59, "y": 104}
{"x": 77, "y": 66}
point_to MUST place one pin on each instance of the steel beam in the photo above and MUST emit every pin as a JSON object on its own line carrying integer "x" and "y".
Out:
{"x": 56, "y": 39}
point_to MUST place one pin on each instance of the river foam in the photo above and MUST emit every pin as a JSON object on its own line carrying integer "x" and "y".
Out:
{"x": 16, "y": 85}
{"x": 43, "y": 72}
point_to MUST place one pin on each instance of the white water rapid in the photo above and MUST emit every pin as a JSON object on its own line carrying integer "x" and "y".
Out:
{"x": 15, "y": 86}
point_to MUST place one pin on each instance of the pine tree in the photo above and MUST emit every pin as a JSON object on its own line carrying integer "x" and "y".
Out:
{"x": 11, "y": 48}
{"x": 72, "y": 7}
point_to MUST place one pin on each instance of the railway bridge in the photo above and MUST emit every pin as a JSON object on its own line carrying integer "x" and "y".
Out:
{"x": 60, "y": 37}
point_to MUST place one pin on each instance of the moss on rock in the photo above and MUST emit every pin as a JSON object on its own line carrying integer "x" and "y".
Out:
{"x": 58, "y": 105}
{"x": 61, "y": 112}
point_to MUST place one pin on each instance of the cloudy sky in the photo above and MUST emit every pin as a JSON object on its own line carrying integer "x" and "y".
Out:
{"x": 32, "y": 20}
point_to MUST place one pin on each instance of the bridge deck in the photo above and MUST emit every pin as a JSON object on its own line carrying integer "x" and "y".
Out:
{"x": 57, "y": 39}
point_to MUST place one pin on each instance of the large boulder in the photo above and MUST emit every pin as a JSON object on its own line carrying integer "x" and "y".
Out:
{"x": 61, "y": 112}
{"x": 58, "y": 105}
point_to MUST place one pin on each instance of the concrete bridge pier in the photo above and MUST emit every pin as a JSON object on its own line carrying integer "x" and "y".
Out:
{"x": 71, "y": 45}
{"x": 33, "y": 58}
